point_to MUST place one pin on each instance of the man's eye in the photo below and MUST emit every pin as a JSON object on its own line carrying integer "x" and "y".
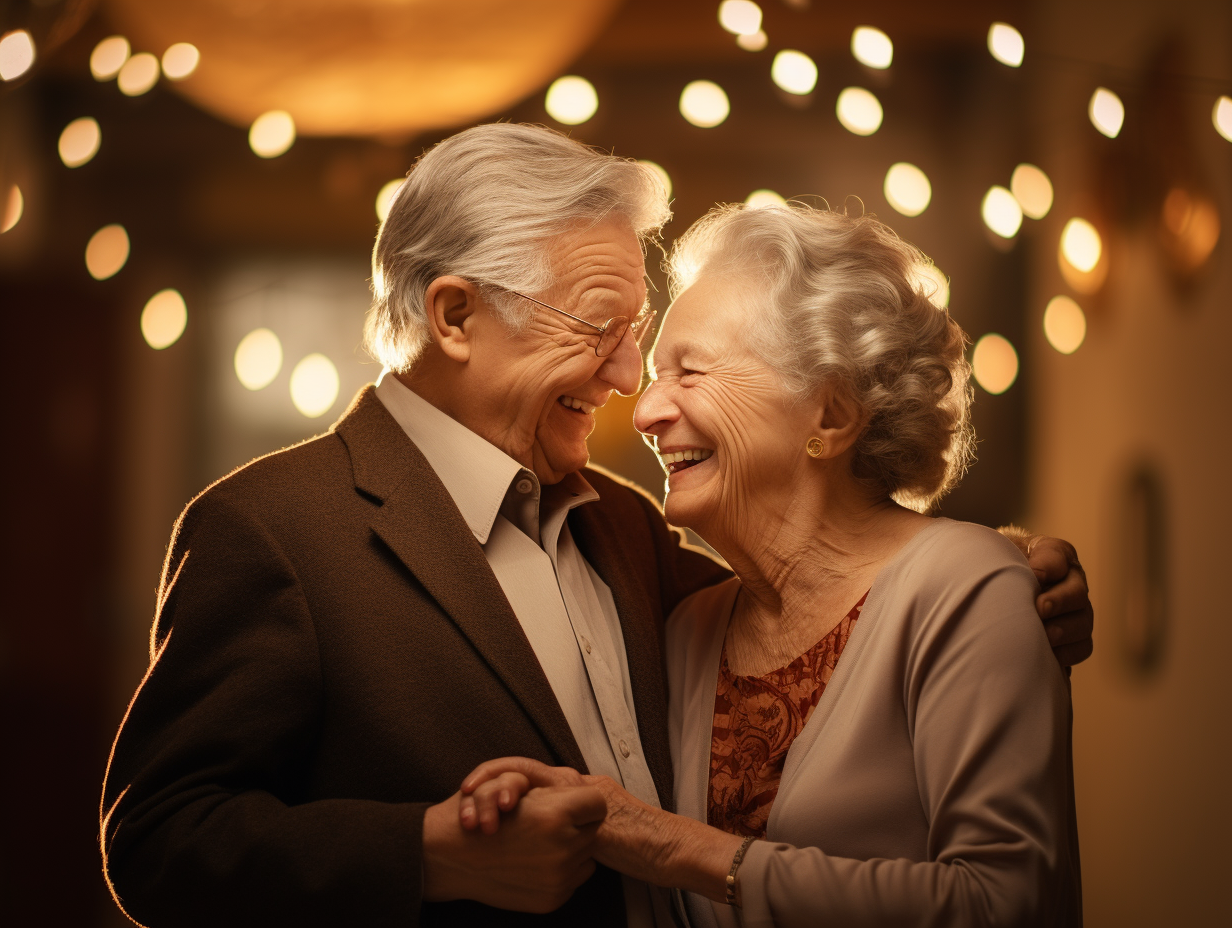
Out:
{"x": 690, "y": 376}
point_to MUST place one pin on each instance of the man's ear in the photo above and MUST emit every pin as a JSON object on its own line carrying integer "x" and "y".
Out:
{"x": 840, "y": 420}
{"x": 451, "y": 304}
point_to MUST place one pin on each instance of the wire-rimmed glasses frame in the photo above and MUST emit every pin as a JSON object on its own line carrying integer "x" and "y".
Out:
{"x": 612, "y": 331}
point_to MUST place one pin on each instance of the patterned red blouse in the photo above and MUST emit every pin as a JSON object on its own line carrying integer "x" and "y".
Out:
{"x": 755, "y": 721}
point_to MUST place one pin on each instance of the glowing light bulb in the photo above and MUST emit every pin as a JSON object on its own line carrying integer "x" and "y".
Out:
{"x": 571, "y": 100}
{"x": 1065, "y": 324}
{"x": 108, "y": 57}
{"x": 1107, "y": 112}
{"x": 180, "y": 60}
{"x": 740, "y": 17}
{"x": 753, "y": 43}
{"x": 859, "y": 111}
{"x": 929, "y": 280}
{"x": 704, "y": 104}
{"x": 907, "y": 189}
{"x": 163, "y": 319}
{"x": 1001, "y": 212}
{"x": 994, "y": 363}
{"x": 79, "y": 141}
{"x": 272, "y": 133}
{"x": 314, "y": 385}
{"x": 663, "y": 176}
{"x": 139, "y": 75}
{"x": 1221, "y": 116}
{"x": 14, "y": 206}
{"x": 1033, "y": 190}
{"x": 258, "y": 359}
{"x": 1006, "y": 44}
{"x": 385, "y": 198}
{"x": 794, "y": 72}
{"x": 16, "y": 54}
{"x": 1081, "y": 245}
{"x": 764, "y": 199}
{"x": 872, "y": 47}
{"x": 107, "y": 251}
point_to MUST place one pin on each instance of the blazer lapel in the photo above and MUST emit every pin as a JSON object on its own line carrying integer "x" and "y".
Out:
{"x": 420, "y": 523}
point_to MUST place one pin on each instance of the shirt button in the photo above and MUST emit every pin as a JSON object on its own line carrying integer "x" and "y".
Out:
{"x": 524, "y": 485}
{"x": 586, "y": 644}
{"x": 624, "y": 748}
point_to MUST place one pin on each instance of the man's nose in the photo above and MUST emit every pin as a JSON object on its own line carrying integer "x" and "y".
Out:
{"x": 623, "y": 367}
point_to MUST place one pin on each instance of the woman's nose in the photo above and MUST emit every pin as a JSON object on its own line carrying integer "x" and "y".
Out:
{"x": 623, "y": 367}
{"x": 653, "y": 409}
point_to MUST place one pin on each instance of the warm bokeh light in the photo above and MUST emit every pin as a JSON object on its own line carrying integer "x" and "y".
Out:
{"x": 859, "y": 111}
{"x": 164, "y": 318}
{"x": 1001, "y": 212}
{"x": 108, "y": 57}
{"x": 385, "y": 198}
{"x": 1081, "y": 245}
{"x": 180, "y": 60}
{"x": 794, "y": 72}
{"x": 1221, "y": 116}
{"x": 994, "y": 363}
{"x": 907, "y": 189}
{"x": 704, "y": 104}
{"x": 872, "y": 47}
{"x": 929, "y": 280}
{"x": 314, "y": 385}
{"x": 272, "y": 133}
{"x": 764, "y": 199}
{"x": 1065, "y": 324}
{"x": 571, "y": 100}
{"x": 663, "y": 176}
{"x": 740, "y": 17}
{"x": 258, "y": 359}
{"x": 14, "y": 206}
{"x": 753, "y": 43}
{"x": 139, "y": 74}
{"x": 79, "y": 141}
{"x": 1006, "y": 44}
{"x": 1033, "y": 190}
{"x": 107, "y": 251}
{"x": 1107, "y": 112}
{"x": 1191, "y": 225}
{"x": 16, "y": 54}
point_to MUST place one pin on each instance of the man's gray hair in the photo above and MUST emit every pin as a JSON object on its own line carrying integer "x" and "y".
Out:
{"x": 844, "y": 302}
{"x": 484, "y": 205}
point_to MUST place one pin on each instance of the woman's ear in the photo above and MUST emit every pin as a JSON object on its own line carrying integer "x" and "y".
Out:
{"x": 840, "y": 421}
{"x": 451, "y": 304}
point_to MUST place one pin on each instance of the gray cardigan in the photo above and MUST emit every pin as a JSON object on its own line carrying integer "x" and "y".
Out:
{"x": 932, "y": 784}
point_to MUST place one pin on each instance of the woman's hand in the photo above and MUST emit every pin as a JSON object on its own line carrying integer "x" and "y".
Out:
{"x": 496, "y": 786}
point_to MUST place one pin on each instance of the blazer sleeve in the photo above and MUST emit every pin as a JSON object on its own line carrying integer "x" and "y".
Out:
{"x": 202, "y": 821}
{"x": 988, "y": 714}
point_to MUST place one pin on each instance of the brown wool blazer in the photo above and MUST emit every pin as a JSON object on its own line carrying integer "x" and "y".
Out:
{"x": 331, "y": 654}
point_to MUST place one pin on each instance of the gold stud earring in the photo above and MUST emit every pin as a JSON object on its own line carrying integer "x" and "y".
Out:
{"x": 815, "y": 447}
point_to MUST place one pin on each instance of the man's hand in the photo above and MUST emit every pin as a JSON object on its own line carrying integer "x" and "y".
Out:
{"x": 541, "y": 854}
{"x": 1064, "y": 601}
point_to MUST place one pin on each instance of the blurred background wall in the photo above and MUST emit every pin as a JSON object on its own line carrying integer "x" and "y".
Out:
{"x": 189, "y": 193}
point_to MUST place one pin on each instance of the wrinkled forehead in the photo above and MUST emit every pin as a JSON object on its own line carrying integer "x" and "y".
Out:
{"x": 707, "y": 318}
{"x": 600, "y": 262}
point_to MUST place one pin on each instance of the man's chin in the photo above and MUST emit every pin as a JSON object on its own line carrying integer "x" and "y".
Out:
{"x": 552, "y": 465}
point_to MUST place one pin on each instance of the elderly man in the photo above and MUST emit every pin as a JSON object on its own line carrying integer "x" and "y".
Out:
{"x": 346, "y": 628}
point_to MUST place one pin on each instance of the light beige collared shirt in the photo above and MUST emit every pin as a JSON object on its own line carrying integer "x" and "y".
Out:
{"x": 564, "y": 607}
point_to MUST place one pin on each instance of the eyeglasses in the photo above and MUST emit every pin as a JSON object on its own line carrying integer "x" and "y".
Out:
{"x": 612, "y": 331}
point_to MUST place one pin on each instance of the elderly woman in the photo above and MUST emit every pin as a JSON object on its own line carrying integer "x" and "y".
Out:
{"x": 868, "y": 725}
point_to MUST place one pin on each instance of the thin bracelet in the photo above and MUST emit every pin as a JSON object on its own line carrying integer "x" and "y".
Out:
{"x": 731, "y": 874}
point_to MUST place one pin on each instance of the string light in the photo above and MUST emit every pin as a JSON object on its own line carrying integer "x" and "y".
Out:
{"x": 258, "y": 359}
{"x": 107, "y": 252}
{"x": 1106, "y": 111}
{"x": 794, "y": 72}
{"x": 704, "y": 104}
{"x": 872, "y": 47}
{"x": 764, "y": 199}
{"x": 753, "y": 43}
{"x": 1065, "y": 324}
{"x": 385, "y": 198}
{"x": 663, "y": 176}
{"x": 180, "y": 60}
{"x": 16, "y": 54}
{"x": 1032, "y": 189}
{"x": 929, "y": 280}
{"x": 108, "y": 57}
{"x": 740, "y": 17}
{"x": 14, "y": 206}
{"x": 79, "y": 141}
{"x": 1221, "y": 116}
{"x": 272, "y": 133}
{"x": 1001, "y": 212}
{"x": 571, "y": 100}
{"x": 1006, "y": 44}
{"x": 139, "y": 75}
{"x": 1081, "y": 245}
{"x": 994, "y": 363}
{"x": 314, "y": 385}
{"x": 164, "y": 318}
{"x": 907, "y": 189}
{"x": 859, "y": 111}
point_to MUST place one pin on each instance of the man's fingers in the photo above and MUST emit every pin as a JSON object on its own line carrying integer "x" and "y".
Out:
{"x": 1071, "y": 654}
{"x": 1069, "y": 594}
{"x": 537, "y": 774}
{"x": 1070, "y": 628}
{"x": 1050, "y": 558}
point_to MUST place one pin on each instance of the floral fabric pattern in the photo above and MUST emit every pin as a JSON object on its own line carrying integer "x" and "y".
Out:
{"x": 755, "y": 721}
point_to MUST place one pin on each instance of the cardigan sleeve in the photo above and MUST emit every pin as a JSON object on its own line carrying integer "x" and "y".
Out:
{"x": 987, "y": 713}
{"x": 200, "y": 820}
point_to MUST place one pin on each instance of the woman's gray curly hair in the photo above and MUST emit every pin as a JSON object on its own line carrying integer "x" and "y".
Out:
{"x": 846, "y": 303}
